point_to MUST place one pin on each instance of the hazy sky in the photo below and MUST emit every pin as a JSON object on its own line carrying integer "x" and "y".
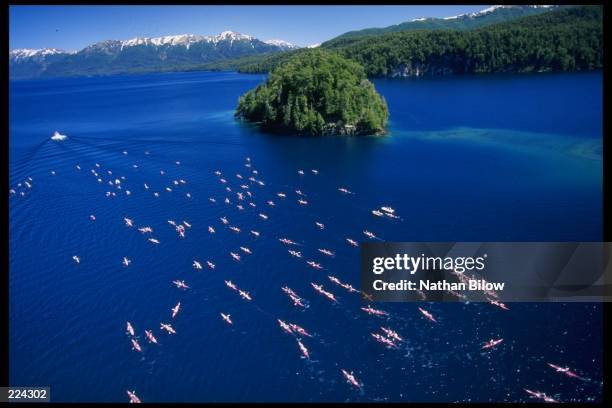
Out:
{"x": 74, "y": 27}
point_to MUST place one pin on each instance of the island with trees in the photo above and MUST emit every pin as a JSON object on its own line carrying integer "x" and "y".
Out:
{"x": 316, "y": 93}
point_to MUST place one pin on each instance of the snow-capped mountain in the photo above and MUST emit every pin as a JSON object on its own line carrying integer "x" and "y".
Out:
{"x": 26, "y": 62}
{"x": 140, "y": 54}
{"x": 282, "y": 44}
{"x": 184, "y": 39}
{"x": 492, "y": 9}
{"x": 466, "y": 21}
{"x": 187, "y": 39}
{"x": 22, "y": 53}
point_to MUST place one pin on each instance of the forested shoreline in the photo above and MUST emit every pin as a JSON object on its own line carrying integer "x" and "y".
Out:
{"x": 569, "y": 39}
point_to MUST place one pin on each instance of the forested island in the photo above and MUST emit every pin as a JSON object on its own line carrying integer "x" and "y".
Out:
{"x": 316, "y": 92}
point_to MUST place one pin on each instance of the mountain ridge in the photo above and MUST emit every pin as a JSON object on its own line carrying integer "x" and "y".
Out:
{"x": 139, "y": 54}
{"x": 465, "y": 21}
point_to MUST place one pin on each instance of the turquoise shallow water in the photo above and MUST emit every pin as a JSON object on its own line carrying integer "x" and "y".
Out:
{"x": 467, "y": 158}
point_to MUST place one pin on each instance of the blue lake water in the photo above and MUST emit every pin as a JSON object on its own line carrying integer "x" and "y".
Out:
{"x": 475, "y": 158}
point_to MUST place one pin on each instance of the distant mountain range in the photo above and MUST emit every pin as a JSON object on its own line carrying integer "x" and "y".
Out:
{"x": 490, "y": 15}
{"x": 234, "y": 51}
{"x": 140, "y": 55}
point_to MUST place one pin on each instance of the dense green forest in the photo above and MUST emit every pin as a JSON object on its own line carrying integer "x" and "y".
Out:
{"x": 567, "y": 39}
{"x": 316, "y": 92}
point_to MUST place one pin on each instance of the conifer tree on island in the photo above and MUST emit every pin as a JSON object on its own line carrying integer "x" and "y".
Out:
{"x": 316, "y": 93}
